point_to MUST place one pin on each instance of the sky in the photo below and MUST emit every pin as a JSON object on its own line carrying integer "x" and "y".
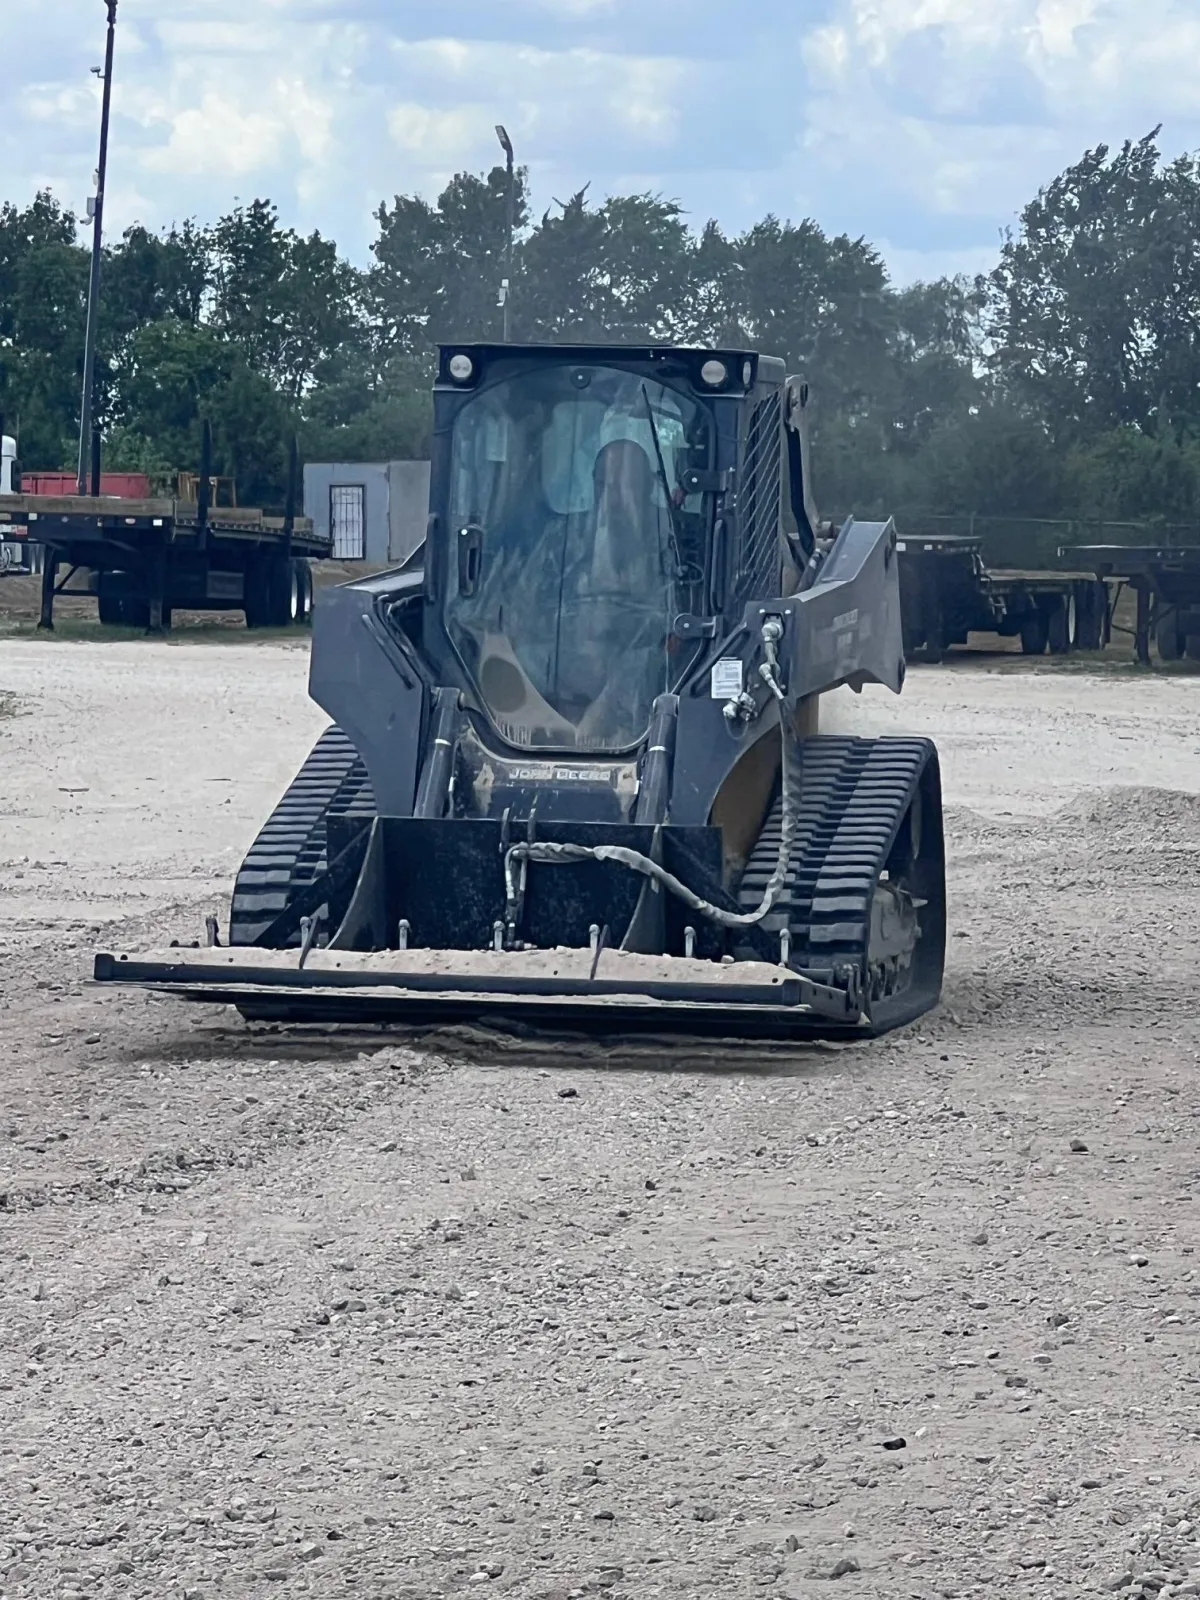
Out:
{"x": 923, "y": 125}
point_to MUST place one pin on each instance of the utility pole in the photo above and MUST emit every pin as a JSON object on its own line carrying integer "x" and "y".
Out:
{"x": 93, "y": 305}
{"x": 506, "y": 281}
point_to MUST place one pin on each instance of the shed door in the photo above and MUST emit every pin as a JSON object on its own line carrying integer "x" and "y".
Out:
{"x": 348, "y": 521}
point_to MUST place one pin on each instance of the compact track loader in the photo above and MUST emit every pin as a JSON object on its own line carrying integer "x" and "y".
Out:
{"x": 574, "y": 777}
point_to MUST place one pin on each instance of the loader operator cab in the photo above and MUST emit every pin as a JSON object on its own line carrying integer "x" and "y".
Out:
{"x": 575, "y": 545}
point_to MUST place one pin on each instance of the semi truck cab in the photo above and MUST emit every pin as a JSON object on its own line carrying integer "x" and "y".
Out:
{"x": 10, "y": 467}
{"x": 17, "y": 556}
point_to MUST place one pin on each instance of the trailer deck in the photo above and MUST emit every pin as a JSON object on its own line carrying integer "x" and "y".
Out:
{"x": 145, "y": 558}
{"x": 1166, "y": 582}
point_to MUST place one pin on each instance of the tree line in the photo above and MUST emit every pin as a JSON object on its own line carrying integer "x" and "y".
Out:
{"x": 1065, "y": 382}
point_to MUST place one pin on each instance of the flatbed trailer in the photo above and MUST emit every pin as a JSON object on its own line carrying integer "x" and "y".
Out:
{"x": 1166, "y": 582}
{"x": 144, "y": 559}
{"x": 948, "y": 592}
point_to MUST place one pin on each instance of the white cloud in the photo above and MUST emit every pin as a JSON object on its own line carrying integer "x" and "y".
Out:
{"x": 965, "y": 109}
{"x": 562, "y": 100}
{"x": 1057, "y": 22}
{"x": 225, "y": 135}
{"x": 1078, "y": 55}
{"x": 965, "y": 171}
{"x": 923, "y": 123}
{"x": 44, "y": 102}
{"x": 220, "y": 37}
{"x": 439, "y": 138}
{"x": 216, "y": 136}
{"x": 1140, "y": 59}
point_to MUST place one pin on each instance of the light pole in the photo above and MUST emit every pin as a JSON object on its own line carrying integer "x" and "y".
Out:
{"x": 506, "y": 281}
{"x": 93, "y": 306}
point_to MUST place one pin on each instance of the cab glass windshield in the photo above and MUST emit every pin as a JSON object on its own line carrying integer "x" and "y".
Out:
{"x": 575, "y": 547}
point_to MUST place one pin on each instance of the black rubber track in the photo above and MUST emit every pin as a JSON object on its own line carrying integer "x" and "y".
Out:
{"x": 853, "y": 823}
{"x": 289, "y": 852}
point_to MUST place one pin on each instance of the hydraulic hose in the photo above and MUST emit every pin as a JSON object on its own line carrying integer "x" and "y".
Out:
{"x": 637, "y": 862}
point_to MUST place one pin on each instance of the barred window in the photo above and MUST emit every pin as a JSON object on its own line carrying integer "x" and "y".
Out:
{"x": 348, "y": 521}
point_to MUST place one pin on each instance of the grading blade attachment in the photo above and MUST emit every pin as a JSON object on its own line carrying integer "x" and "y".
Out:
{"x": 553, "y": 989}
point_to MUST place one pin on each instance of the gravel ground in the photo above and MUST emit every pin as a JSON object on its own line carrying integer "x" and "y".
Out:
{"x": 389, "y": 1317}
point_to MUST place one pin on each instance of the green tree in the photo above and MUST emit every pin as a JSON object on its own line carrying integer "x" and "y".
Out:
{"x": 438, "y": 267}
{"x": 170, "y": 373}
{"x": 252, "y": 427}
{"x": 822, "y": 303}
{"x": 1126, "y": 473}
{"x": 937, "y": 356}
{"x": 1067, "y": 382}
{"x": 1096, "y": 301}
{"x": 996, "y": 458}
{"x": 149, "y": 275}
{"x": 619, "y": 272}
{"x": 145, "y": 278}
{"x": 389, "y": 418}
{"x": 43, "y": 293}
{"x": 291, "y": 306}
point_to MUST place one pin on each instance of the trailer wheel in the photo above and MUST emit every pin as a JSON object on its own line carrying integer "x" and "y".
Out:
{"x": 1167, "y": 635}
{"x": 306, "y": 592}
{"x": 111, "y": 611}
{"x": 1033, "y": 633}
{"x": 1060, "y": 626}
{"x": 1192, "y": 644}
{"x": 284, "y": 589}
{"x": 272, "y": 592}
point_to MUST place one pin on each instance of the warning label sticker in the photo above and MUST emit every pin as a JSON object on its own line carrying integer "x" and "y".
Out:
{"x": 727, "y": 678}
